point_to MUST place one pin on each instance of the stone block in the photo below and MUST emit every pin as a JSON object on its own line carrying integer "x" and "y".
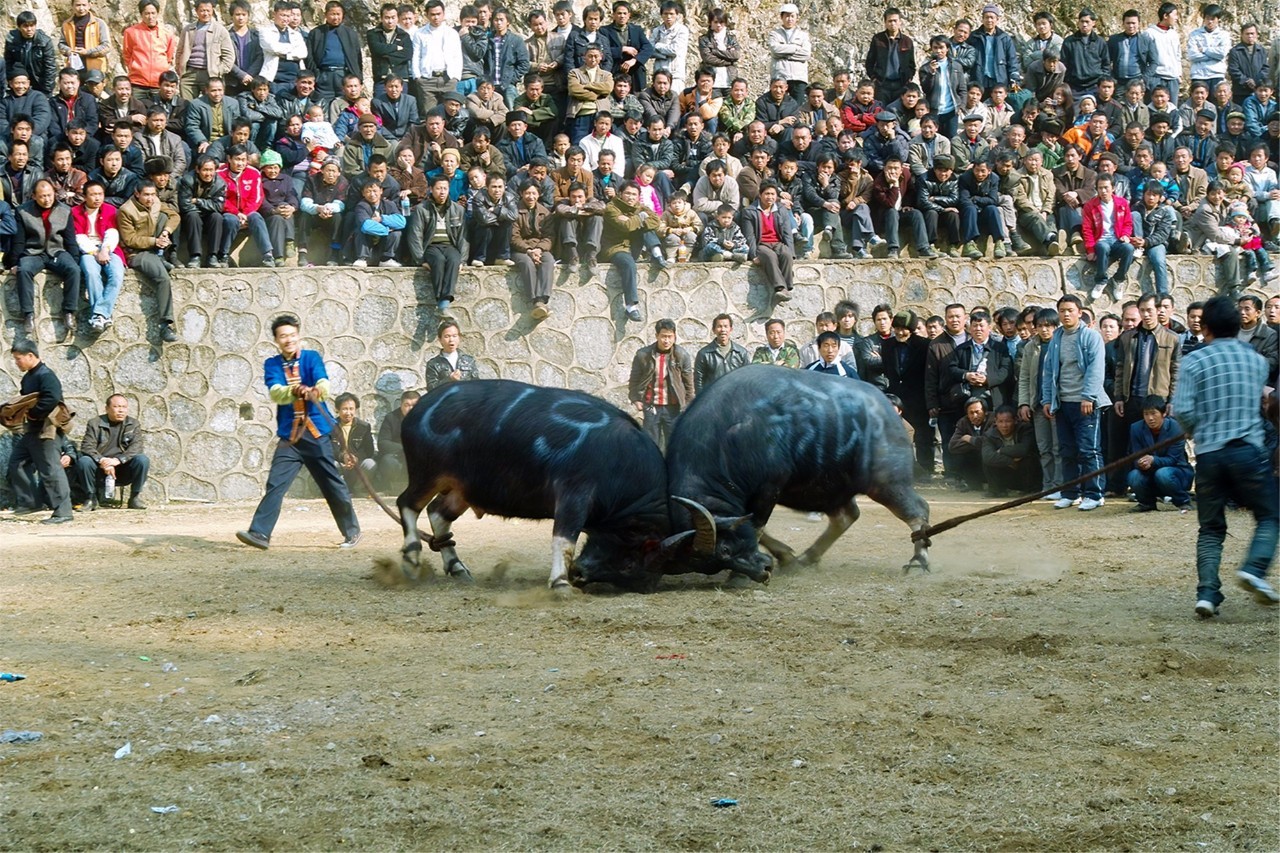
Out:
{"x": 231, "y": 375}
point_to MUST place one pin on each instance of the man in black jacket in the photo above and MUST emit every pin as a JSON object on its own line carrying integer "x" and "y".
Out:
{"x": 46, "y": 240}
{"x": 977, "y": 370}
{"x": 352, "y": 443}
{"x": 333, "y": 50}
{"x": 661, "y": 382}
{"x": 38, "y": 379}
{"x": 390, "y": 48}
{"x": 891, "y": 58}
{"x": 27, "y": 47}
{"x": 111, "y": 454}
{"x": 720, "y": 356}
{"x": 390, "y": 448}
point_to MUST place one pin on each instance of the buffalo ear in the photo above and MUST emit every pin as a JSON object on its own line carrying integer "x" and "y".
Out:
{"x": 704, "y": 523}
{"x": 733, "y": 523}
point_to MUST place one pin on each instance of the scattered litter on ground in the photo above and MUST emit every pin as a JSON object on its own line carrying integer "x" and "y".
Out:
{"x": 11, "y": 736}
{"x": 125, "y": 750}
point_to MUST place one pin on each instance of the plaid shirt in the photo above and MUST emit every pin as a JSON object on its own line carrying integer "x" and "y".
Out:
{"x": 1219, "y": 395}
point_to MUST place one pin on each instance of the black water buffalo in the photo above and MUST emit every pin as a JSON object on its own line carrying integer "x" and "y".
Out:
{"x": 521, "y": 451}
{"x": 764, "y": 435}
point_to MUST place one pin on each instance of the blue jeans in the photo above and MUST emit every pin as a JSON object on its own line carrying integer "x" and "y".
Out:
{"x": 1078, "y": 442}
{"x": 1108, "y": 248}
{"x": 317, "y": 455}
{"x": 1157, "y": 258}
{"x": 1240, "y": 472}
{"x": 1148, "y": 486}
{"x": 257, "y": 227}
{"x": 102, "y": 295}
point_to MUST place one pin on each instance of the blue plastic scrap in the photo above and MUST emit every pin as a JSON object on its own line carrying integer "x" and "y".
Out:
{"x": 724, "y": 803}
{"x": 11, "y": 736}
{"x": 11, "y": 677}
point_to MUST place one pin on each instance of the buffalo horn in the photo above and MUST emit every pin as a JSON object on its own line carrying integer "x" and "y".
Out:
{"x": 656, "y": 558}
{"x": 704, "y": 523}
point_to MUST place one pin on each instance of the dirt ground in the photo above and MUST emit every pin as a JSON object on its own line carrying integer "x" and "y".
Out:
{"x": 1047, "y": 687}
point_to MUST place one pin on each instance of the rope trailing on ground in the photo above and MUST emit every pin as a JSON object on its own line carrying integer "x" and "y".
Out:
{"x": 943, "y": 527}
{"x": 364, "y": 478}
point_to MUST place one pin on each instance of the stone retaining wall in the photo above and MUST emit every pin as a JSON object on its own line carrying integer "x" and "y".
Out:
{"x": 209, "y": 424}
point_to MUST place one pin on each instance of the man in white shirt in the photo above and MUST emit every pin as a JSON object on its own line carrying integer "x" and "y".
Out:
{"x": 283, "y": 49}
{"x": 437, "y": 59}
{"x": 602, "y": 138}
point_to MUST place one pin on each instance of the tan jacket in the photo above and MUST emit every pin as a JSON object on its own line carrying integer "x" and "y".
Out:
{"x": 586, "y": 97}
{"x": 1164, "y": 363}
{"x": 1041, "y": 203}
{"x": 219, "y": 55}
{"x": 138, "y": 227}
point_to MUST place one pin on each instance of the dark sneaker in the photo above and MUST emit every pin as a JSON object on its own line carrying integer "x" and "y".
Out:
{"x": 253, "y": 540}
{"x": 1144, "y": 508}
{"x": 136, "y": 502}
{"x": 1263, "y": 592}
{"x": 351, "y": 541}
{"x": 58, "y": 519}
{"x": 168, "y": 334}
{"x": 633, "y": 313}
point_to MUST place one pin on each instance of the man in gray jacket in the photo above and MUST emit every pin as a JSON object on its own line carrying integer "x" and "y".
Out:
{"x": 111, "y": 454}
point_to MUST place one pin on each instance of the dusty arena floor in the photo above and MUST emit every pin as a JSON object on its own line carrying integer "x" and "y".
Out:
{"x": 1046, "y": 688}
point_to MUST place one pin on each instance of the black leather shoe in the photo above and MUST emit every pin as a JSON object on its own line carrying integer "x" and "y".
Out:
{"x": 253, "y": 540}
{"x": 136, "y": 502}
{"x": 88, "y": 506}
{"x": 168, "y": 334}
{"x": 58, "y": 519}
{"x": 29, "y": 324}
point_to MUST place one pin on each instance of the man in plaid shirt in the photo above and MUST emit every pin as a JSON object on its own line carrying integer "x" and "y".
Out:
{"x": 1218, "y": 401}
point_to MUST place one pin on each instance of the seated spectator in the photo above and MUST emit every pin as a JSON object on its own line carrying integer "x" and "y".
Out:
{"x": 156, "y": 140}
{"x": 68, "y": 181}
{"x": 244, "y": 199}
{"x": 715, "y": 189}
{"x": 279, "y": 205}
{"x": 397, "y": 111}
{"x": 101, "y": 261}
{"x": 147, "y": 226}
{"x": 118, "y": 182}
{"x": 111, "y": 455}
{"x": 492, "y": 215}
{"x": 1033, "y": 201}
{"x": 722, "y": 239}
{"x": 440, "y": 248}
{"x": 413, "y": 181}
{"x": 682, "y": 228}
{"x": 379, "y": 225}
{"x": 451, "y": 364}
{"x": 1166, "y": 473}
{"x": 828, "y": 361}
{"x": 210, "y": 116}
{"x": 770, "y": 232}
{"x": 323, "y": 203}
{"x": 531, "y": 250}
{"x": 980, "y": 211}
{"x": 319, "y": 137}
{"x": 579, "y": 225}
{"x": 1074, "y": 185}
{"x": 631, "y": 231}
{"x": 1008, "y": 448}
{"x": 359, "y": 149}
{"x": 1108, "y": 233}
{"x": 1155, "y": 224}
{"x": 353, "y": 447}
{"x": 856, "y": 187}
{"x": 893, "y": 200}
{"x": 777, "y": 349}
{"x": 263, "y": 111}
{"x": 46, "y": 240}
{"x": 966, "y": 446}
{"x": 121, "y": 106}
{"x": 390, "y": 450}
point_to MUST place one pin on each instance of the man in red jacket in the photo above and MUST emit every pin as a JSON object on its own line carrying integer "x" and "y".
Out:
{"x": 244, "y": 197}
{"x": 1108, "y": 235}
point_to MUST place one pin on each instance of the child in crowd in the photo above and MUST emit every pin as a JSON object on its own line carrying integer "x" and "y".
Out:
{"x": 559, "y": 150}
{"x": 1238, "y": 189}
{"x": 649, "y": 196}
{"x": 1266, "y": 191}
{"x": 1256, "y": 258}
{"x": 319, "y": 137}
{"x": 378, "y": 226}
{"x": 722, "y": 239}
{"x": 350, "y": 117}
{"x": 682, "y": 224}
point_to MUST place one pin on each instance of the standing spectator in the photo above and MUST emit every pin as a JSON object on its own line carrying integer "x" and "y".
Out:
{"x": 1107, "y": 227}
{"x": 777, "y": 349}
{"x": 298, "y": 384}
{"x": 28, "y": 48}
{"x": 670, "y": 41}
{"x": 111, "y": 454}
{"x": 1247, "y": 64}
{"x": 589, "y": 86}
{"x": 85, "y": 39}
{"x": 1207, "y": 48}
{"x": 718, "y": 51}
{"x": 244, "y": 198}
{"x": 46, "y": 240}
{"x": 1131, "y": 51}
{"x": 246, "y": 47}
{"x": 437, "y": 59}
{"x": 334, "y": 51}
{"x": 391, "y": 466}
{"x": 1258, "y": 334}
{"x": 629, "y": 48}
{"x": 977, "y": 369}
{"x": 1031, "y": 400}
{"x": 40, "y": 440}
{"x": 101, "y": 261}
{"x": 353, "y": 448}
{"x": 1165, "y": 62}
{"x": 147, "y": 49}
{"x": 507, "y": 58}
{"x": 147, "y": 226}
{"x": 661, "y": 385}
{"x": 770, "y": 232}
{"x": 1217, "y": 404}
{"x": 720, "y": 356}
{"x": 1085, "y": 54}
{"x": 531, "y": 250}
{"x": 390, "y": 49}
{"x": 995, "y": 56}
{"x": 284, "y": 49}
{"x": 204, "y": 51}
{"x": 943, "y": 83}
{"x": 1074, "y": 364}
{"x": 1147, "y": 360}
{"x": 891, "y": 58}
{"x": 791, "y": 50}
{"x": 450, "y": 364}
{"x": 903, "y": 356}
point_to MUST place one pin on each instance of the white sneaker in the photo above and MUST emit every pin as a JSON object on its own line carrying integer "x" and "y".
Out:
{"x": 1063, "y": 503}
{"x": 1102, "y": 501}
{"x": 1096, "y": 293}
{"x": 1206, "y": 609}
{"x": 1263, "y": 592}
{"x": 360, "y": 262}
{"x": 1089, "y": 503}
{"x": 1054, "y": 498}
{"x": 876, "y": 240}
{"x": 391, "y": 263}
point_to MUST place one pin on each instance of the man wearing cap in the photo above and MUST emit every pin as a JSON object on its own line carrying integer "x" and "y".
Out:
{"x": 519, "y": 147}
{"x": 41, "y": 439}
{"x": 1084, "y": 52}
{"x": 791, "y": 50}
{"x": 997, "y": 56}
{"x": 970, "y": 146}
{"x": 884, "y": 142}
{"x": 360, "y": 147}
{"x": 1236, "y": 134}
{"x": 437, "y": 58}
{"x": 398, "y": 111}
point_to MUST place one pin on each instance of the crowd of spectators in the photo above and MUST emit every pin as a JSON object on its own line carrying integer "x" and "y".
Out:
{"x": 550, "y": 144}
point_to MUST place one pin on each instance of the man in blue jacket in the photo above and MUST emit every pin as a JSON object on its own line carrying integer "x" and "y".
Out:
{"x": 1071, "y": 383}
{"x": 299, "y": 386}
{"x": 1164, "y": 474}
{"x": 997, "y": 57}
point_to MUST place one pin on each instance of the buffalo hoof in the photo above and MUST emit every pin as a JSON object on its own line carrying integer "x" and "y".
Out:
{"x": 806, "y": 560}
{"x": 561, "y": 588}
{"x": 916, "y": 563}
{"x": 738, "y": 580}
{"x": 411, "y": 564}
{"x": 458, "y": 571}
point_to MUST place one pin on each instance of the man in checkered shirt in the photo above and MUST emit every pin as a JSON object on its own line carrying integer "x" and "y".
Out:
{"x": 1218, "y": 401}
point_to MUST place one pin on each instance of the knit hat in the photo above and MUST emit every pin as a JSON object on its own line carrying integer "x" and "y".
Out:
{"x": 1238, "y": 208}
{"x": 270, "y": 158}
{"x": 367, "y": 118}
